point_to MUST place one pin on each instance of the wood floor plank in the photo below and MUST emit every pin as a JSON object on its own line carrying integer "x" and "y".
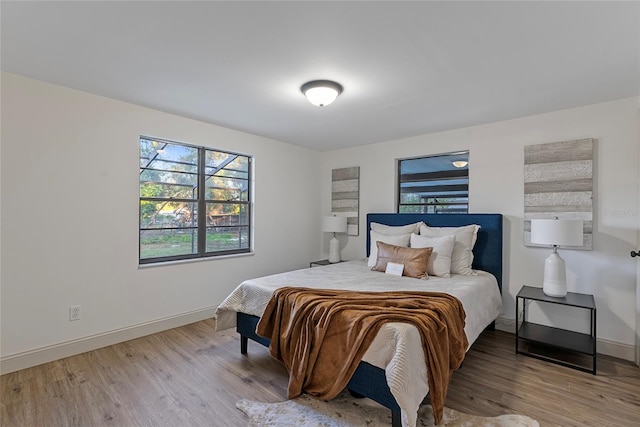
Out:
{"x": 193, "y": 376}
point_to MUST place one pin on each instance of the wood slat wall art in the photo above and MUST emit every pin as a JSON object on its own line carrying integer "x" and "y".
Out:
{"x": 558, "y": 182}
{"x": 345, "y": 194}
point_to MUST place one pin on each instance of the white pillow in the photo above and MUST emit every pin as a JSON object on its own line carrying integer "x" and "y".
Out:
{"x": 440, "y": 259}
{"x": 466, "y": 236}
{"x": 392, "y": 239}
{"x": 396, "y": 229}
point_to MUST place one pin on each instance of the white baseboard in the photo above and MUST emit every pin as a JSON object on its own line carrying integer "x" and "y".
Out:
{"x": 506, "y": 325}
{"x": 604, "y": 346}
{"x": 27, "y": 359}
{"x": 616, "y": 349}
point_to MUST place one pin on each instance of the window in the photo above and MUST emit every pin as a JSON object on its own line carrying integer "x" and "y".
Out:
{"x": 194, "y": 201}
{"x": 434, "y": 184}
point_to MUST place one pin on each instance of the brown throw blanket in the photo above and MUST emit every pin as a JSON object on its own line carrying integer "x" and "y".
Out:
{"x": 321, "y": 335}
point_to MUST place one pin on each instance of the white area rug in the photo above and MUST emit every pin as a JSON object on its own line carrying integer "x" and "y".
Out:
{"x": 346, "y": 411}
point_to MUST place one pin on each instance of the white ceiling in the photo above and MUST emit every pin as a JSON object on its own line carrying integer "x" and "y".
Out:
{"x": 408, "y": 68}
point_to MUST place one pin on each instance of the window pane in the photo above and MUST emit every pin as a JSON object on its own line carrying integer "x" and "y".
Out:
{"x": 427, "y": 197}
{"x": 227, "y": 214}
{"x": 171, "y": 197}
{"x": 165, "y": 214}
{"x": 227, "y": 238}
{"x": 225, "y": 194}
{"x": 185, "y": 179}
{"x": 167, "y": 191}
{"x": 240, "y": 163}
{"x": 217, "y": 159}
{"x": 220, "y": 159}
{"x": 177, "y": 166}
{"x": 232, "y": 174}
{"x": 434, "y": 184}
{"x": 225, "y": 182}
{"x": 165, "y": 150}
{"x": 413, "y": 209}
{"x": 164, "y": 243}
{"x": 227, "y": 188}
{"x": 226, "y": 164}
{"x": 163, "y": 162}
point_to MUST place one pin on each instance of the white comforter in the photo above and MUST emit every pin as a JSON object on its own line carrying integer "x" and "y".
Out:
{"x": 397, "y": 348}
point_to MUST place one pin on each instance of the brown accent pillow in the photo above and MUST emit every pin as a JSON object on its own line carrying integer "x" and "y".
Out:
{"x": 415, "y": 260}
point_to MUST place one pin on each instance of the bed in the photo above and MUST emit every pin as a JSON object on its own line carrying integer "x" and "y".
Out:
{"x": 393, "y": 371}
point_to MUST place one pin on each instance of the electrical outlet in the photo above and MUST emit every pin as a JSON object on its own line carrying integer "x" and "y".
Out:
{"x": 74, "y": 312}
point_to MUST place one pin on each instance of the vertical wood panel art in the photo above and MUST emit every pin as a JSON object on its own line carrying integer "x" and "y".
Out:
{"x": 558, "y": 182}
{"x": 345, "y": 190}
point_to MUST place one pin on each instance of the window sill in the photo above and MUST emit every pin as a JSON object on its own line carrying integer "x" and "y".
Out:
{"x": 192, "y": 260}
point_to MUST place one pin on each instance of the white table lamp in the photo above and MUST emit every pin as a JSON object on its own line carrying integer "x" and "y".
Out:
{"x": 556, "y": 232}
{"x": 334, "y": 224}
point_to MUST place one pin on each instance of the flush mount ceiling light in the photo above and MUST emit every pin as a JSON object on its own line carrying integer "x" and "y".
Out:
{"x": 460, "y": 163}
{"x": 321, "y": 92}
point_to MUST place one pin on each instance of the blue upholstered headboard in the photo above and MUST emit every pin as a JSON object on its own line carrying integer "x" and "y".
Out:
{"x": 487, "y": 253}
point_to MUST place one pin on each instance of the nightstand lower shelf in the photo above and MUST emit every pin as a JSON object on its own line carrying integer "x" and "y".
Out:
{"x": 562, "y": 346}
{"x": 552, "y": 345}
{"x": 555, "y": 337}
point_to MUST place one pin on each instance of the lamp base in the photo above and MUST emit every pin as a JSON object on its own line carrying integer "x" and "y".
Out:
{"x": 334, "y": 250}
{"x": 555, "y": 276}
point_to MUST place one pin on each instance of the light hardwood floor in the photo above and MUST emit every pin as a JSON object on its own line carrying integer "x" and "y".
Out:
{"x": 193, "y": 376}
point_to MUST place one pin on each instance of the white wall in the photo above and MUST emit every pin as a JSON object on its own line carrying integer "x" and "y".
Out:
{"x": 637, "y": 212}
{"x": 69, "y": 210}
{"x": 70, "y": 216}
{"x": 496, "y": 185}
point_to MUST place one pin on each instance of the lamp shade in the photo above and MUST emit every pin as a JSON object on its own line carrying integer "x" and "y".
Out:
{"x": 334, "y": 224}
{"x": 557, "y": 232}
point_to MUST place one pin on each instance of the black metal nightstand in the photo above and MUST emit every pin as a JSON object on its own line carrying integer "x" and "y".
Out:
{"x": 563, "y": 342}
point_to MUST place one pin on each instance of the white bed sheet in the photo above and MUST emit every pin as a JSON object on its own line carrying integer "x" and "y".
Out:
{"x": 397, "y": 347}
